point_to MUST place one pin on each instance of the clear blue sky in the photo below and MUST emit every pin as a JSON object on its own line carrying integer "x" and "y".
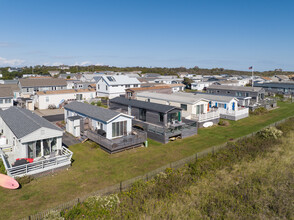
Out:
{"x": 232, "y": 34}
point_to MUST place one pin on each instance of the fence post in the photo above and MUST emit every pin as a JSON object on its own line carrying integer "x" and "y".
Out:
{"x": 196, "y": 156}
{"x": 212, "y": 150}
{"x": 120, "y": 186}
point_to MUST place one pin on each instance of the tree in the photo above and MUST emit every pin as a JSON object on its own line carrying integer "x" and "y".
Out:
{"x": 187, "y": 82}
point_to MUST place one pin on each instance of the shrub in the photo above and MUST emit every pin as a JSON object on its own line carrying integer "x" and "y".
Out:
{"x": 2, "y": 167}
{"x": 270, "y": 132}
{"x": 24, "y": 180}
{"x": 223, "y": 123}
{"x": 259, "y": 111}
{"x": 52, "y": 106}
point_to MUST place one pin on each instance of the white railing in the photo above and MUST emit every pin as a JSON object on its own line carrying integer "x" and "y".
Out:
{"x": 206, "y": 116}
{"x": 39, "y": 166}
{"x": 240, "y": 111}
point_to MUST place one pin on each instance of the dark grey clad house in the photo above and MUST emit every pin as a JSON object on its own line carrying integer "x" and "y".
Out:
{"x": 277, "y": 87}
{"x": 246, "y": 95}
{"x": 161, "y": 122}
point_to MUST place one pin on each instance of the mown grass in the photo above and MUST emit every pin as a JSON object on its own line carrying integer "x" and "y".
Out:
{"x": 94, "y": 169}
{"x": 250, "y": 179}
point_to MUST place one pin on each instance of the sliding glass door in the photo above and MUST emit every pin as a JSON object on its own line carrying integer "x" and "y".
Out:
{"x": 119, "y": 128}
{"x": 41, "y": 147}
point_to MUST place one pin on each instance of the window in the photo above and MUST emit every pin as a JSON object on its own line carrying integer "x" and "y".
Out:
{"x": 200, "y": 109}
{"x": 142, "y": 114}
{"x": 128, "y": 86}
{"x": 184, "y": 107}
{"x": 47, "y": 99}
{"x": 111, "y": 79}
{"x": 161, "y": 117}
{"x": 135, "y": 85}
{"x": 1, "y": 101}
{"x": 98, "y": 86}
{"x": 247, "y": 94}
{"x": 79, "y": 96}
{"x": 238, "y": 94}
{"x": 7, "y": 100}
{"x": 119, "y": 128}
{"x": 172, "y": 117}
{"x": 106, "y": 87}
{"x": 228, "y": 92}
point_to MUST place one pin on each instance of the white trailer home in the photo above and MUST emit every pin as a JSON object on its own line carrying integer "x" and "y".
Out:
{"x": 55, "y": 98}
{"x": 30, "y": 144}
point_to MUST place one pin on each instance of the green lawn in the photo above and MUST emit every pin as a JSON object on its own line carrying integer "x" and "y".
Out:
{"x": 94, "y": 169}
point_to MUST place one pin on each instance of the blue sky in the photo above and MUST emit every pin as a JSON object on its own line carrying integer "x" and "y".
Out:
{"x": 232, "y": 34}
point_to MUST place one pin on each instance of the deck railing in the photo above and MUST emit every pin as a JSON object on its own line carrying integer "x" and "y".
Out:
{"x": 171, "y": 130}
{"x": 117, "y": 144}
{"x": 240, "y": 111}
{"x": 206, "y": 116}
{"x": 38, "y": 166}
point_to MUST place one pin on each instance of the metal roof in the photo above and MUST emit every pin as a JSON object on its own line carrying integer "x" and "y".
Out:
{"x": 180, "y": 97}
{"x": 212, "y": 97}
{"x": 95, "y": 112}
{"x": 283, "y": 85}
{"x": 23, "y": 122}
{"x": 144, "y": 105}
{"x": 235, "y": 88}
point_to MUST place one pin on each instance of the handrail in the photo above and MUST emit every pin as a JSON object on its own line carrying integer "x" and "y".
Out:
{"x": 25, "y": 169}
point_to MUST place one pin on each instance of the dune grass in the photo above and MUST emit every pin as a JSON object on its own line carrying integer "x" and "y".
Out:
{"x": 94, "y": 169}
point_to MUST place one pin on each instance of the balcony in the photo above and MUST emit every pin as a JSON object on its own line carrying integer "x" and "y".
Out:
{"x": 61, "y": 159}
{"x": 240, "y": 111}
{"x": 118, "y": 144}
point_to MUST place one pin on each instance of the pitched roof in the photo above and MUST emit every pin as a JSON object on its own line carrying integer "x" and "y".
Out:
{"x": 23, "y": 122}
{"x": 145, "y": 105}
{"x": 120, "y": 80}
{"x": 180, "y": 97}
{"x": 64, "y": 91}
{"x": 95, "y": 112}
{"x": 235, "y": 88}
{"x": 148, "y": 88}
{"x": 42, "y": 82}
{"x": 5, "y": 92}
{"x": 212, "y": 97}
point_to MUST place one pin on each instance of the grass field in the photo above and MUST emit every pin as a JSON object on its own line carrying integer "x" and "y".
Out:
{"x": 94, "y": 169}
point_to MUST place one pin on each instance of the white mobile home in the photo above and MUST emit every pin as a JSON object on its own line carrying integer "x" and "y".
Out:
{"x": 55, "y": 98}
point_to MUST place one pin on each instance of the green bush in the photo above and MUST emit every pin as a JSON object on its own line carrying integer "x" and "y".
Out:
{"x": 259, "y": 111}
{"x": 223, "y": 123}
{"x": 2, "y": 167}
{"x": 270, "y": 132}
{"x": 24, "y": 180}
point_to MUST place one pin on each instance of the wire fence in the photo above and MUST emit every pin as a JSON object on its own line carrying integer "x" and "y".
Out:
{"x": 124, "y": 185}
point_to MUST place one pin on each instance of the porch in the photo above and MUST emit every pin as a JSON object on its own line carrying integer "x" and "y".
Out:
{"x": 204, "y": 117}
{"x": 183, "y": 129}
{"x": 234, "y": 115}
{"x": 135, "y": 139}
{"x": 62, "y": 158}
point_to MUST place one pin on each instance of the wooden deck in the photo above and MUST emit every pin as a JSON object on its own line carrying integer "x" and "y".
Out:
{"x": 118, "y": 144}
{"x": 38, "y": 167}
